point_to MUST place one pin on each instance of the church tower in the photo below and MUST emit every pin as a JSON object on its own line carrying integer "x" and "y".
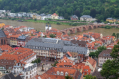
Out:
{"x": 50, "y": 27}
{"x": 46, "y": 27}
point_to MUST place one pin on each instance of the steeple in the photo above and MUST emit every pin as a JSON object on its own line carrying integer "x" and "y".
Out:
{"x": 50, "y": 27}
{"x": 46, "y": 27}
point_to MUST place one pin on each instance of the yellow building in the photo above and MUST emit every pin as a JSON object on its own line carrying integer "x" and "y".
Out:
{"x": 2, "y": 25}
{"x": 54, "y": 16}
{"x": 111, "y": 20}
{"x": 13, "y": 39}
{"x": 34, "y": 16}
{"x": 117, "y": 20}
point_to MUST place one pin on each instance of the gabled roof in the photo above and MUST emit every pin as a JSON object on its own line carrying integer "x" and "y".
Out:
{"x": 91, "y": 61}
{"x": 86, "y": 16}
{"x": 11, "y": 76}
{"x": 74, "y": 16}
{"x": 22, "y": 37}
{"x": 2, "y": 34}
{"x": 54, "y": 14}
{"x": 105, "y": 53}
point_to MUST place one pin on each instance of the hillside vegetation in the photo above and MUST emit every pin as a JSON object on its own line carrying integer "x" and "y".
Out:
{"x": 100, "y": 9}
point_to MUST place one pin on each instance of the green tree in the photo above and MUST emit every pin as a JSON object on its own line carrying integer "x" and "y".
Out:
{"x": 35, "y": 19}
{"x": 52, "y": 36}
{"x": 96, "y": 53}
{"x": 90, "y": 77}
{"x": 92, "y": 54}
{"x": 100, "y": 49}
{"x": 68, "y": 77}
{"x": 93, "y": 13}
{"x": 36, "y": 61}
{"x": 111, "y": 67}
{"x": 55, "y": 63}
{"x": 114, "y": 34}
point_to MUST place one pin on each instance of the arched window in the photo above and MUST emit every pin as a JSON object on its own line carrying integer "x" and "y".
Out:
{"x": 57, "y": 72}
{"x": 1, "y": 41}
{"x": 66, "y": 73}
{"x": 4, "y": 42}
{"x": 61, "y": 73}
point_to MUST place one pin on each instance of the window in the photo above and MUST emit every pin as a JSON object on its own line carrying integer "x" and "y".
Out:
{"x": 61, "y": 73}
{"x": 57, "y": 72}
{"x": 66, "y": 73}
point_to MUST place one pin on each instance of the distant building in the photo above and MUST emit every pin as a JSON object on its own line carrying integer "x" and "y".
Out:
{"x": 87, "y": 18}
{"x": 54, "y": 16}
{"x": 49, "y": 16}
{"x": 74, "y": 17}
{"x": 13, "y": 15}
{"x": 61, "y": 17}
{"x": 2, "y": 11}
{"x": 104, "y": 56}
{"x": 111, "y": 20}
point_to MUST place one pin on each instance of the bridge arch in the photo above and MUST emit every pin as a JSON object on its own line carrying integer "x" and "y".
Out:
{"x": 90, "y": 27}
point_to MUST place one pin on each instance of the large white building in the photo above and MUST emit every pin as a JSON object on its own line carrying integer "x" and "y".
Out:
{"x": 51, "y": 48}
{"x": 87, "y": 18}
{"x": 29, "y": 71}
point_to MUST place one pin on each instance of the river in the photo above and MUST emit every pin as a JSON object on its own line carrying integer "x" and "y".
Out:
{"x": 104, "y": 31}
{"x": 38, "y": 26}
{"x": 41, "y": 27}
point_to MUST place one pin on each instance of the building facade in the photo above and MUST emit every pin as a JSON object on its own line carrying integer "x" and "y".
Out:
{"x": 3, "y": 38}
{"x": 29, "y": 71}
{"x": 87, "y": 18}
{"x": 22, "y": 40}
{"x": 43, "y": 47}
{"x": 104, "y": 56}
{"x": 74, "y": 17}
{"x": 54, "y": 16}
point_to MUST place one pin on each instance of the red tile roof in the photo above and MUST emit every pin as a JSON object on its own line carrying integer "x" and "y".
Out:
{"x": 20, "y": 55}
{"x": 54, "y": 14}
{"x": 91, "y": 61}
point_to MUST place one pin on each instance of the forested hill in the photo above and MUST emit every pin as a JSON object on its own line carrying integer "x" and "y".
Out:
{"x": 100, "y": 9}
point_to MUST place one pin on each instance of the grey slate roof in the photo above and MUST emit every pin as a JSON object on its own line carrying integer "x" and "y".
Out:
{"x": 48, "y": 14}
{"x": 86, "y": 16}
{"x": 43, "y": 14}
{"x": 11, "y": 76}
{"x": 110, "y": 18}
{"x": 59, "y": 45}
{"x": 2, "y": 34}
{"x": 22, "y": 37}
{"x": 74, "y": 16}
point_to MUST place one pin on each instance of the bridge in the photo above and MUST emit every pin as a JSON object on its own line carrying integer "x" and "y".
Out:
{"x": 84, "y": 28}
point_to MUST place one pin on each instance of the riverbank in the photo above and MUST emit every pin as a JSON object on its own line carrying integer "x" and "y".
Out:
{"x": 58, "y": 22}
{"x": 39, "y": 26}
